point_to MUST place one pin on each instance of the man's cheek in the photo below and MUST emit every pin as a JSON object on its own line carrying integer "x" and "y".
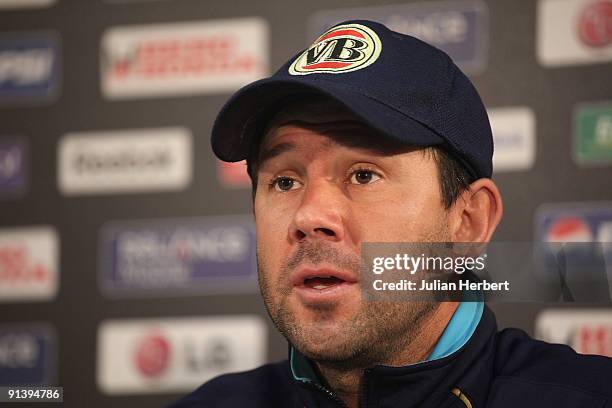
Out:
{"x": 269, "y": 263}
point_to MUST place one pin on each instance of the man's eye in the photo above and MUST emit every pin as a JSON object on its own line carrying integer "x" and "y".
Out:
{"x": 285, "y": 183}
{"x": 364, "y": 177}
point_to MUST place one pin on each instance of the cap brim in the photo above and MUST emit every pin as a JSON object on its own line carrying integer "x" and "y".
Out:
{"x": 235, "y": 129}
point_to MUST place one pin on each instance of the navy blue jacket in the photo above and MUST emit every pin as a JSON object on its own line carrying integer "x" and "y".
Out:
{"x": 493, "y": 369}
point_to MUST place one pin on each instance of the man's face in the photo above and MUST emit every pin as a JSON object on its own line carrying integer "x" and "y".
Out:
{"x": 326, "y": 184}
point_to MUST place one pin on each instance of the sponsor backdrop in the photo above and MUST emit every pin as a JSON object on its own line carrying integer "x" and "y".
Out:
{"x": 127, "y": 251}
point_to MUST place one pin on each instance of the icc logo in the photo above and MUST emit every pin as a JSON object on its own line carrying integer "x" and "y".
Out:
{"x": 344, "y": 48}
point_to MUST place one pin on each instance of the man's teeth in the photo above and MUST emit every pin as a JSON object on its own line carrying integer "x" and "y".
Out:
{"x": 320, "y": 286}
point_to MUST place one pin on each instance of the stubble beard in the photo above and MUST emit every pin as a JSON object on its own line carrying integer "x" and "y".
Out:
{"x": 374, "y": 334}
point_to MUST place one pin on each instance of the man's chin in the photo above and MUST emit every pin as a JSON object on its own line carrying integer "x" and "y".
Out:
{"x": 329, "y": 313}
{"x": 327, "y": 332}
{"x": 325, "y": 341}
{"x": 332, "y": 352}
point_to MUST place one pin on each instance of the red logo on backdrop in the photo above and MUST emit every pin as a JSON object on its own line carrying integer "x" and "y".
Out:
{"x": 233, "y": 175}
{"x": 595, "y": 24}
{"x": 152, "y": 355}
{"x": 570, "y": 229}
{"x": 594, "y": 339}
{"x": 174, "y": 58}
{"x": 15, "y": 266}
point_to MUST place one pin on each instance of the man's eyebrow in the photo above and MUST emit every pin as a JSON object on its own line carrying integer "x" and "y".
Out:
{"x": 278, "y": 149}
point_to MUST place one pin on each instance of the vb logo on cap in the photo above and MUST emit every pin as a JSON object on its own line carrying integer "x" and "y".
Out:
{"x": 344, "y": 48}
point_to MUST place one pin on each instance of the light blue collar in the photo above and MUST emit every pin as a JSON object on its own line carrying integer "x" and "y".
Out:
{"x": 458, "y": 331}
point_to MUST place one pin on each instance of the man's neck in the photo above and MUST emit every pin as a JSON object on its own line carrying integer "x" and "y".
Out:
{"x": 346, "y": 382}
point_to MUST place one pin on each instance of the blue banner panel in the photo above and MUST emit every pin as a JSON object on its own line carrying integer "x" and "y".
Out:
{"x": 176, "y": 256}
{"x": 29, "y": 67}
{"x": 26, "y": 354}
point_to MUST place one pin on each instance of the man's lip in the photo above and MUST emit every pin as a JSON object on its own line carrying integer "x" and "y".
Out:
{"x": 298, "y": 278}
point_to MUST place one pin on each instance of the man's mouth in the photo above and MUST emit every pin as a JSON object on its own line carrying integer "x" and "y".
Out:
{"x": 322, "y": 282}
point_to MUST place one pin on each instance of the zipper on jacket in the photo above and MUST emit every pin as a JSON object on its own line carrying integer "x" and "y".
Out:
{"x": 462, "y": 397}
{"x": 364, "y": 390}
{"x": 327, "y": 392}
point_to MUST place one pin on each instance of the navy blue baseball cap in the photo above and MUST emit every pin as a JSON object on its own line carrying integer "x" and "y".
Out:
{"x": 403, "y": 87}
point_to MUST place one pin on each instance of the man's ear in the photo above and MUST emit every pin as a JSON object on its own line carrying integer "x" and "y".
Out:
{"x": 476, "y": 212}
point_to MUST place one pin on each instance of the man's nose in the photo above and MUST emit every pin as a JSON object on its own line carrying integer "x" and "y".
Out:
{"x": 320, "y": 213}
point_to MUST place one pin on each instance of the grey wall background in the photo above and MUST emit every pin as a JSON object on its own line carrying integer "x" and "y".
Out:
{"x": 512, "y": 77}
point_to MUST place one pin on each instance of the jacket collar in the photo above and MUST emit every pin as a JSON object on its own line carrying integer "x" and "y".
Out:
{"x": 459, "y": 367}
{"x": 457, "y": 332}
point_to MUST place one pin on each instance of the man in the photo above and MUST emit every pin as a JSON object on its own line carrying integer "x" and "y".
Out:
{"x": 373, "y": 136}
